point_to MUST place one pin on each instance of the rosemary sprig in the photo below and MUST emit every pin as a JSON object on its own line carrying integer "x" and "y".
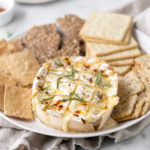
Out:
{"x": 98, "y": 78}
{"x": 77, "y": 97}
{"x": 45, "y": 88}
{"x": 72, "y": 71}
{"x": 58, "y": 63}
{"x": 49, "y": 98}
{"x": 58, "y": 81}
{"x": 99, "y": 82}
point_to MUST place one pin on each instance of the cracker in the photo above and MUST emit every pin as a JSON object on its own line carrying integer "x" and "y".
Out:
{"x": 70, "y": 25}
{"x": 2, "y": 89}
{"x": 121, "y": 70}
{"x": 43, "y": 41}
{"x": 125, "y": 42}
{"x": 123, "y": 62}
{"x": 69, "y": 47}
{"x": 125, "y": 107}
{"x": 101, "y": 49}
{"x": 3, "y": 47}
{"x": 130, "y": 85}
{"x": 22, "y": 67}
{"x": 137, "y": 111}
{"x": 98, "y": 26}
{"x": 122, "y": 55}
{"x": 18, "y": 102}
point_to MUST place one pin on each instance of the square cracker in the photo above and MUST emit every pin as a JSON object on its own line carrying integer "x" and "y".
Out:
{"x": 95, "y": 40}
{"x": 18, "y": 102}
{"x": 138, "y": 108}
{"x": 106, "y": 26}
{"x": 122, "y": 55}
{"x": 121, "y": 70}
{"x": 2, "y": 89}
{"x": 22, "y": 67}
{"x": 130, "y": 85}
{"x": 101, "y": 49}
{"x": 123, "y": 62}
{"x": 125, "y": 107}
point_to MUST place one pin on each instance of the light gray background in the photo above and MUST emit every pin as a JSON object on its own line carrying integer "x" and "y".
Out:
{"x": 28, "y": 15}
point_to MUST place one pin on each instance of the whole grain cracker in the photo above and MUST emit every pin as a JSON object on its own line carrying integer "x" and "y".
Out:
{"x": 125, "y": 107}
{"x": 122, "y": 55}
{"x": 2, "y": 89}
{"x": 98, "y": 26}
{"x": 70, "y": 25}
{"x": 18, "y": 102}
{"x": 101, "y": 49}
{"x": 123, "y": 62}
{"x": 43, "y": 41}
{"x": 122, "y": 70}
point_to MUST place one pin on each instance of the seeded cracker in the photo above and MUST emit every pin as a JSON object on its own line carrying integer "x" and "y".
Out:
{"x": 3, "y": 46}
{"x": 130, "y": 85}
{"x": 70, "y": 25}
{"x": 98, "y": 26}
{"x": 43, "y": 41}
{"x": 100, "y": 49}
{"x": 122, "y": 55}
{"x": 125, "y": 107}
{"x": 70, "y": 47}
{"x": 123, "y": 62}
{"x": 121, "y": 70}
{"x": 17, "y": 102}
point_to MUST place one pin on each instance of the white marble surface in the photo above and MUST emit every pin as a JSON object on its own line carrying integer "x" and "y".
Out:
{"x": 28, "y": 15}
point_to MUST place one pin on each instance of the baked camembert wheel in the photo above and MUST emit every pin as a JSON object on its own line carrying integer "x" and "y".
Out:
{"x": 75, "y": 93}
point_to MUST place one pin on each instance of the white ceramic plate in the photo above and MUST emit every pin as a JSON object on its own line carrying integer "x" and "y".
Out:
{"x": 38, "y": 127}
{"x": 34, "y": 1}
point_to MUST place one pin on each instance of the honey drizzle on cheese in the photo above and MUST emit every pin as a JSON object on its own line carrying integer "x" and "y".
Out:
{"x": 67, "y": 115}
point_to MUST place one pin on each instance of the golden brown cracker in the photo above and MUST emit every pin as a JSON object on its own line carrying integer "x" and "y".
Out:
{"x": 122, "y": 70}
{"x": 123, "y": 62}
{"x": 98, "y": 26}
{"x": 18, "y": 102}
{"x": 2, "y": 89}
{"x": 122, "y": 55}
{"x": 101, "y": 49}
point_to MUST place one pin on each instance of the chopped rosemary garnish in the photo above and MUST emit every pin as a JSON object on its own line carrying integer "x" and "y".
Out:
{"x": 72, "y": 71}
{"x": 45, "y": 88}
{"x": 98, "y": 78}
{"x": 99, "y": 82}
{"x": 77, "y": 97}
{"x": 58, "y": 63}
{"x": 45, "y": 99}
{"x": 58, "y": 81}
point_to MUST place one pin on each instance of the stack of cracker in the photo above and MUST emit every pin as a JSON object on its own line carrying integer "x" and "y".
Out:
{"x": 108, "y": 36}
{"x": 17, "y": 71}
{"x": 134, "y": 91}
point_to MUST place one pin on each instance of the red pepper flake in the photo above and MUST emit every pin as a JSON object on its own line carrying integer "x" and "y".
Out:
{"x": 84, "y": 104}
{"x": 83, "y": 120}
{"x": 67, "y": 61}
{"x": 86, "y": 66}
{"x": 46, "y": 92}
{"x": 91, "y": 80}
{"x": 110, "y": 68}
{"x": 102, "y": 71}
{"x": 76, "y": 115}
{"x": 95, "y": 70}
{"x": 77, "y": 112}
{"x": 46, "y": 102}
{"x": 60, "y": 107}
{"x": 38, "y": 78}
{"x": 2, "y": 9}
{"x": 40, "y": 86}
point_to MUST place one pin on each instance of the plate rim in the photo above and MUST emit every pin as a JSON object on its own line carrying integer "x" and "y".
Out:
{"x": 82, "y": 134}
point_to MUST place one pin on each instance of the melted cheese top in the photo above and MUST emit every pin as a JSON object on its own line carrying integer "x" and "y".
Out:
{"x": 75, "y": 88}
